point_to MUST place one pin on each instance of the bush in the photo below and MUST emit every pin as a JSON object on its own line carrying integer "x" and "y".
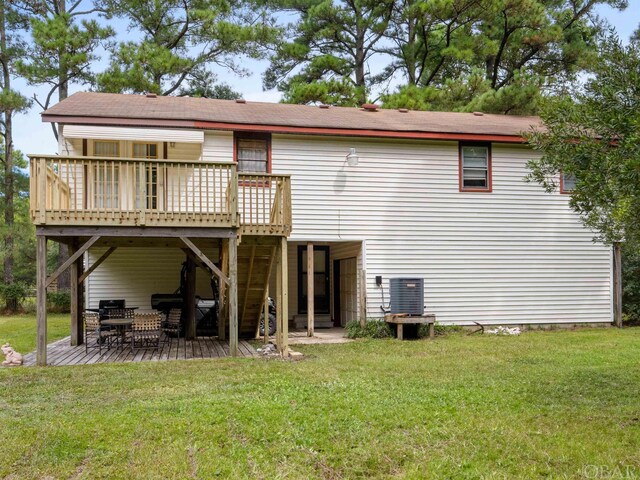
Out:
{"x": 631, "y": 283}
{"x": 59, "y": 302}
{"x": 440, "y": 330}
{"x": 371, "y": 329}
{"x": 13, "y": 294}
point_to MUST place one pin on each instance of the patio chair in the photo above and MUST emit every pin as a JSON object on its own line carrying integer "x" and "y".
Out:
{"x": 94, "y": 331}
{"x": 146, "y": 330}
{"x": 119, "y": 313}
{"x": 172, "y": 326}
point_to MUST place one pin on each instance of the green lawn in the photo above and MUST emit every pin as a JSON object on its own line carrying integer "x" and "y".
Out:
{"x": 20, "y": 330}
{"x": 562, "y": 404}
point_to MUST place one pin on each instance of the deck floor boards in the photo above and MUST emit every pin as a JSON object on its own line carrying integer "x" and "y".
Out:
{"x": 61, "y": 353}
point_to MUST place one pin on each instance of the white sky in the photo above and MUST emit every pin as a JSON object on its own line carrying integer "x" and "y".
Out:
{"x": 33, "y": 136}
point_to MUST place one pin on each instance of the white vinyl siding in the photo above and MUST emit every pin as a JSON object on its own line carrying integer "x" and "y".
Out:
{"x": 519, "y": 255}
{"x": 218, "y": 147}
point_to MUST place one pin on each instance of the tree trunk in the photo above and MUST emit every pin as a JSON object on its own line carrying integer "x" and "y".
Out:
{"x": 360, "y": 69}
{"x": 8, "y": 163}
{"x": 63, "y": 93}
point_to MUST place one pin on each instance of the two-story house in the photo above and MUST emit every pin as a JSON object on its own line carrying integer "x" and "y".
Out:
{"x": 246, "y": 190}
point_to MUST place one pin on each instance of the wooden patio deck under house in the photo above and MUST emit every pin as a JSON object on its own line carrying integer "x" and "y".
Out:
{"x": 62, "y": 353}
{"x": 117, "y": 202}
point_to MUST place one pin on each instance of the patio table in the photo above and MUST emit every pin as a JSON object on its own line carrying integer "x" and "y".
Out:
{"x": 121, "y": 325}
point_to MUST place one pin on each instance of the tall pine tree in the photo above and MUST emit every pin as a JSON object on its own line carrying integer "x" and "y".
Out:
{"x": 11, "y": 102}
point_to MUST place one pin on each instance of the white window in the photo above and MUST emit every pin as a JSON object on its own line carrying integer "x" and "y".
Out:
{"x": 106, "y": 185}
{"x": 145, "y": 150}
{"x": 567, "y": 182}
{"x": 146, "y": 175}
{"x": 475, "y": 167}
{"x": 106, "y": 148}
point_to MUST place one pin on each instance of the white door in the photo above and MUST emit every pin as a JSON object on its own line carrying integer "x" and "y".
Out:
{"x": 348, "y": 290}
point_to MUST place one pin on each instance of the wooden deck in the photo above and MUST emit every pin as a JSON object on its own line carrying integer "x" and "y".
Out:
{"x": 62, "y": 353}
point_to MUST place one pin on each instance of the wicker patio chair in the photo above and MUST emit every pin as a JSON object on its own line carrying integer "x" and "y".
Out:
{"x": 120, "y": 313}
{"x": 172, "y": 326}
{"x": 146, "y": 330}
{"x": 94, "y": 331}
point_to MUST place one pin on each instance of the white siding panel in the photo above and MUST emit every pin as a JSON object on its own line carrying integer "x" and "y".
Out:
{"x": 104, "y": 132}
{"x": 218, "y": 147}
{"x": 135, "y": 273}
{"x": 516, "y": 255}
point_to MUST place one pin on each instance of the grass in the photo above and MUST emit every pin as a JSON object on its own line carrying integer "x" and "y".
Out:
{"x": 20, "y": 330}
{"x": 558, "y": 404}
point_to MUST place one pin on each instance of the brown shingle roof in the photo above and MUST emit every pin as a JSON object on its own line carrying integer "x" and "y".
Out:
{"x": 142, "y": 110}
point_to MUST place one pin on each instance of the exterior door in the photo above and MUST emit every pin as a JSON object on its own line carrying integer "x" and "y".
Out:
{"x": 348, "y": 290}
{"x": 321, "y": 292}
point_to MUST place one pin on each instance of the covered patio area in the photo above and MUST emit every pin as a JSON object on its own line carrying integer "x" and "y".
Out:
{"x": 62, "y": 353}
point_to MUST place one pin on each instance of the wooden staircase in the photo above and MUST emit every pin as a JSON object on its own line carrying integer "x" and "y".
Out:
{"x": 256, "y": 261}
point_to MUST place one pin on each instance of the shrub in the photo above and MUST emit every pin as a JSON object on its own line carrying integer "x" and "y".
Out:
{"x": 59, "y": 302}
{"x": 631, "y": 283}
{"x": 440, "y": 330}
{"x": 13, "y": 294}
{"x": 371, "y": 329}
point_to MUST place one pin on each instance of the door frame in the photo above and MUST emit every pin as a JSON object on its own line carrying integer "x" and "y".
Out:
{"x": 302, "y": 294}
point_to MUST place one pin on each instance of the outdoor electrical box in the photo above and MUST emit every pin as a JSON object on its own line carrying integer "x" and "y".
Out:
{"x": 378, "y": 280}
{"x": 407, "y": 295}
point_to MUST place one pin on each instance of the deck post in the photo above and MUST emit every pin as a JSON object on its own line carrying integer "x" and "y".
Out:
{"x": 310, "y": 285}
{"x": 190, "y": 300}
{"x": 223, "y": 310}
{"x": 282, "y": 306}
{"x": 233, "y": 297}
{"x": 617, "y": 285}
{"x": 265, "y": 315}
{"x": 75, "y": 294}
{"x": 363, "y": 297}
{"x": 41, "y": 300}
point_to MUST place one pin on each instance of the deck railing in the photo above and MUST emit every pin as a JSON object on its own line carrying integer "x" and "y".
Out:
{"x": 93, "y": 191}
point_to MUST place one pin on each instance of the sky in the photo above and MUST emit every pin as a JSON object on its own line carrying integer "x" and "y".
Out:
{"x": 33, "y": 136}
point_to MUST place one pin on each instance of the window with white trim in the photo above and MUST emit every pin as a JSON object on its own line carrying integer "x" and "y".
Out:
{"x": 475, "y": 167}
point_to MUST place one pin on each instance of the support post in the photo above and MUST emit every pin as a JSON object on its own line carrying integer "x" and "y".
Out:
{"x": 617, "y": 285}
{"x": 282, "y": 306}
{"x": 265, "y": 314}
{"x": 233, "y": 297}
{"x": 310, "y": 285}
{"x": 190, "y": 300}
{"x": 223, "y": 310}
{"x": 363, "y": 297}
{"x": 41, "y": 300}
{"x": 75, "y": 294}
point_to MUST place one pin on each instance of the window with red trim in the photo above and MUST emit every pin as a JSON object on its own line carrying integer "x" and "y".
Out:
{"x": 475, "y": 167}
{"x": 253, "y": 152}
{"x": 567, "y": 182}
